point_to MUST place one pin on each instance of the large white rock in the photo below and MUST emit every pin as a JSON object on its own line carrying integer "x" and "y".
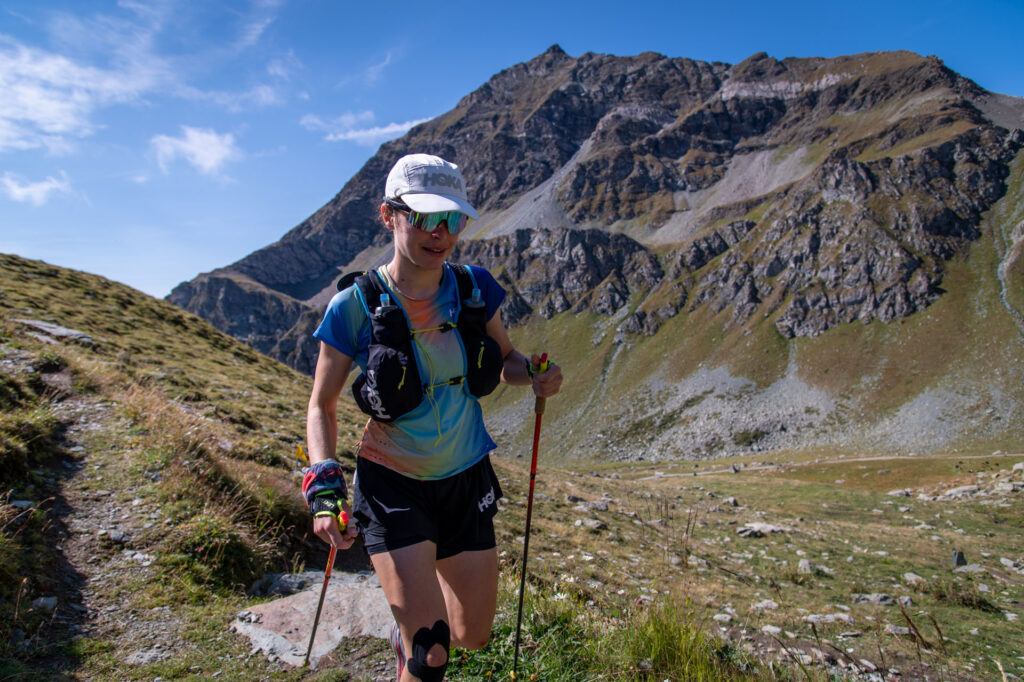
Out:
{"x": 354, "y": 606}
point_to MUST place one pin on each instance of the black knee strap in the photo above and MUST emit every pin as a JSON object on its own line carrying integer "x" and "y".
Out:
{"x": 422, "y": 642}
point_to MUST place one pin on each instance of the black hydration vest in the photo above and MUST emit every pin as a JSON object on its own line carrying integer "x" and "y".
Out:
{"x": 390, "y": 386}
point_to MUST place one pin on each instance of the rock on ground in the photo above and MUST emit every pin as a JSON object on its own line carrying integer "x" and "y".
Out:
{"x": 354, "y": 606}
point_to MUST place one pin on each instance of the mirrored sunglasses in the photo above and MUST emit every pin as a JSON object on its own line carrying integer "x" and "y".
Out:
{"x": 428, "y": 222}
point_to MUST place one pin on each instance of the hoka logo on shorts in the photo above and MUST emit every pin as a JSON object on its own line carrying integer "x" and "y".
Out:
{"x": 373, "y": 397}
{"x": 487, "y": 500}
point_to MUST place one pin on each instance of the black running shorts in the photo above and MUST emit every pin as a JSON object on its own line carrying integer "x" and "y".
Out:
{"x": 455, "y": 513}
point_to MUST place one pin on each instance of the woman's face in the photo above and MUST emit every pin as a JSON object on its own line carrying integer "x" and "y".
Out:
{"x": 427, "y": 250}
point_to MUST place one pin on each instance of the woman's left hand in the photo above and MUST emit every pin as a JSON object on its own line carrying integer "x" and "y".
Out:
{"x": 548, "y": 382}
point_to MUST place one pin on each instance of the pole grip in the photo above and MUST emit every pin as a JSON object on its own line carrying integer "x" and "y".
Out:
{"x": 539, "y": 403}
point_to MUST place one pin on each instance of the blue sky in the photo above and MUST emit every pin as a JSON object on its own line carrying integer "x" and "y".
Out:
{"x": 151, "y": 140}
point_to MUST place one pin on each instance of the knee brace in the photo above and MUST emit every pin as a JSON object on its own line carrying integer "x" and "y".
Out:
{"x": 422, "y": 642}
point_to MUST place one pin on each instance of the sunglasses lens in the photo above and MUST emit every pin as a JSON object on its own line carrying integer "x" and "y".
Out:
{"x": 457, "y": 222}
{"x": 428, "y": 222}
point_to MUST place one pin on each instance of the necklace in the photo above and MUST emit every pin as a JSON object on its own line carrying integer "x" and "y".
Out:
{"x": 394, "y": 283}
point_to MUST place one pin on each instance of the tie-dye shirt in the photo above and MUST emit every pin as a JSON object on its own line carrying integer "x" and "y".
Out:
{"x": 445, "y": 434}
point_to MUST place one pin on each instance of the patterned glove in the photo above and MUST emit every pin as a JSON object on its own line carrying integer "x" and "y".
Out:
{"x": 323, "y": 486}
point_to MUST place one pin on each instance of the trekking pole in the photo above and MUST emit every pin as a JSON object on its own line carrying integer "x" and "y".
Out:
{"x": 342, "y": 525}
{"x": 538, "y": 409}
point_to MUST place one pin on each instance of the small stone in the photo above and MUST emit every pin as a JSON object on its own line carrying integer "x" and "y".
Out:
{"x": 771, "y": 630}
{"x": 873, "y": 598}
{"x": 804, "y": 567}
{"x": 914, "y": 580}
{"x": 146, "y": 657}
{"x": 766, "y": 605}
{"x": 44, "y": 604}
{"x": 591, "y": 524}
{"x": 722, "y": 618}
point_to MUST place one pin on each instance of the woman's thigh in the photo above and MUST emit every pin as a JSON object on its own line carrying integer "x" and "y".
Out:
{"x": 469, "y": 583}
{"x": 410, "y": 585}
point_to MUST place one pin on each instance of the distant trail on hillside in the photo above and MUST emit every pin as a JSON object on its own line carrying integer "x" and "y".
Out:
{"x": 832, "y": 460}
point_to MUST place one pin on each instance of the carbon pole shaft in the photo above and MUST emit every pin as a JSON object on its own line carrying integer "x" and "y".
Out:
{"x": 538, "y": 408}
{"x": 320, "y": 604}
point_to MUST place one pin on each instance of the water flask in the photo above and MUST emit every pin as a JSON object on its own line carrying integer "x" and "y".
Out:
{"x": 385, "y": 306}
{"x": 475, "y": 301}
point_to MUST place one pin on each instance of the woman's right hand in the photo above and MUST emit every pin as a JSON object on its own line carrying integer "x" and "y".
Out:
{"x": 326, "y": 528}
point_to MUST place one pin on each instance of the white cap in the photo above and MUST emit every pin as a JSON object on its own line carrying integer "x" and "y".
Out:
{"x": 428, "y": 184}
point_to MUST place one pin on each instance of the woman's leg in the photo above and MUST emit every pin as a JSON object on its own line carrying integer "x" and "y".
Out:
{"x": 408, "y": 576}
{"x": 469, "y": 582}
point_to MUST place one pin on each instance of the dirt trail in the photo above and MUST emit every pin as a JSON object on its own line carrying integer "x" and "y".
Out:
{"x": 93, "y": 534}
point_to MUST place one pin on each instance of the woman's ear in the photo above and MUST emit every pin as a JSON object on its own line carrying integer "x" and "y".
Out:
{"x": 387, "y": 216}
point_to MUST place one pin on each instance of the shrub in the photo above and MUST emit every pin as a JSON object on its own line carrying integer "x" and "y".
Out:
{"x": 212, "y": 551}
{"x": 747, "y": 438}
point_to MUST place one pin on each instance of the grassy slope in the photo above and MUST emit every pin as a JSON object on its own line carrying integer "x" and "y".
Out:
{"x": 196, "y": 431}
{"x": 202, "y": 429}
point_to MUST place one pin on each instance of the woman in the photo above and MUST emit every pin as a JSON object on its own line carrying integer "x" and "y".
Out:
{"x": 424, "y": 491}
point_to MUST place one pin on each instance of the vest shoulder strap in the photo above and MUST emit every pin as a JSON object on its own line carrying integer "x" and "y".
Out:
{"x": 368, "y": 288}
{"x": 348, "y": 279}
{"x": 464, "y": 279}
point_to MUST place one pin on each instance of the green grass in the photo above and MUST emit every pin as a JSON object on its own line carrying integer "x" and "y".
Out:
{"x": 566, "y": 637}
{"x": 203, "y": 432}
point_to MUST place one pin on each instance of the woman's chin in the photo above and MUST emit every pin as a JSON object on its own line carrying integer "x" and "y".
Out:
{"x": 433, "y": 258}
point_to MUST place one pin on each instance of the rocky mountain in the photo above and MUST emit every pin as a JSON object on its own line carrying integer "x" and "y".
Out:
{"x": 665, "y": 199}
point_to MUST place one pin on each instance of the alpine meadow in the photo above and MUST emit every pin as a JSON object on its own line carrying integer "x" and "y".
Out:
{"x": 788, "y": 300}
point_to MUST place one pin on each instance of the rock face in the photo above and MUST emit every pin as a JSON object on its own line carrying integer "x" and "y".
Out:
{"x": 803, "y": 194}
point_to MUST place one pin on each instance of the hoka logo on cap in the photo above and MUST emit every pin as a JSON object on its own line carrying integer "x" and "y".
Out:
{"x": 428, "y": 184}
{"x": 443, "y": 180}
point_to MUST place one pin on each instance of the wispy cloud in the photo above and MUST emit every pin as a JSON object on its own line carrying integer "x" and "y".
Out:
{"x": 255, "y": 22}
{"x": 281, "y": 68}
{"x": 204, "y": 149}
{"x": 375, "y": 70}
{"x": 356, "y": 127}
{"x": 36, "y": 193}
{"x": 49, "y": 98}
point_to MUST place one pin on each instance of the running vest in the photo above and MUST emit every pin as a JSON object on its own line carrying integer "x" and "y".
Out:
{"x": 390, "y": 386}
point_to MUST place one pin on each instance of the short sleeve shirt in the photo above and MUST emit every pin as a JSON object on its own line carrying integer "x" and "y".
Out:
{"x": 445, "y": 433}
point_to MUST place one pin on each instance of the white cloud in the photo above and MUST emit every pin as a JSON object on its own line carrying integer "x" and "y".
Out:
{"x": 345, "y": 121}
{"x": 355, "y": 127}
{"x": 375, "y": 135}
{"x": 49, "y": 98}
{"x": 205, "y": 149}
{"x": 37, "y": 193}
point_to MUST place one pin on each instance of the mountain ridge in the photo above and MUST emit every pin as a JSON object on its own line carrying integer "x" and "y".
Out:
{"x": 802, "y": 193}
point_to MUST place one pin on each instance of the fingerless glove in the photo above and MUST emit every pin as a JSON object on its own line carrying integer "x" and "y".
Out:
{"x": 323, "y": 486}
